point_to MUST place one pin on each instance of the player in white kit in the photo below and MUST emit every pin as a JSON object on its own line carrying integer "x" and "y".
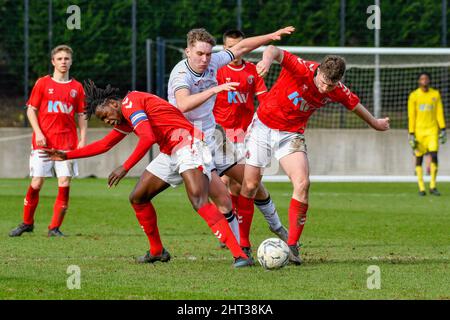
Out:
{"x": 192, "y": 88}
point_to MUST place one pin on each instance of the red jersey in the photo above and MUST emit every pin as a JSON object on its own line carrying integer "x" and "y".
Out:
{"x": 170, "y": 128}
{"x": 234, "y": 110}
{"x": 294, "y": 97}
{"x": 57, "y": 103}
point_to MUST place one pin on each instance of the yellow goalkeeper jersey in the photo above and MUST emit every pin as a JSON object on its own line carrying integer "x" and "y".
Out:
{"x": 425, "y": 112}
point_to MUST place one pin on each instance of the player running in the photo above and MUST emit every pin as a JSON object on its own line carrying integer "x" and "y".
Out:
{"x": 54, "y": 104}
{"x": 183, "y": 157}
{"x": 193, "y": 88}
{"x": 426, "y": 125}
{"x": 233, "y": 111}
{"x": 280, "y": 121}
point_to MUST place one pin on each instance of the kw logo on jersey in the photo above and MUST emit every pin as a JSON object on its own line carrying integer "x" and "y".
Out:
{"x": 237, "y": 97}
{"x": 297, "y": 100}
{"x": 59, "y": 107}
{"x": 426, "y": 107}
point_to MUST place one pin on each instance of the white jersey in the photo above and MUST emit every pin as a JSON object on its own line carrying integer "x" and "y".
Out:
{"x": 183, "y": 76}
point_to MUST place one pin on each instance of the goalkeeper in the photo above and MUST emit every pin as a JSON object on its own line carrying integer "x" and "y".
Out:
{"x": 426, "y": 125}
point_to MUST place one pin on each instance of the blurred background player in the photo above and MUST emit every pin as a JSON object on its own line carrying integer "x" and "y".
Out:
{"x": 192, "y": 88}
{"x": 426, "y": 125}
{"x": 280, "y": 121}
{"x": 233, "y": 111}
{"x": 183, "y": 157}
{"x": 54, "y": 104}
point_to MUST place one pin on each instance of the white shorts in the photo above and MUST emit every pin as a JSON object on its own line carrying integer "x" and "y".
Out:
{"x": 41, "y": 168}
{"x": 222, "y": 149}
{"x": 261, "y": 142}
{"x": 169, "y": 168}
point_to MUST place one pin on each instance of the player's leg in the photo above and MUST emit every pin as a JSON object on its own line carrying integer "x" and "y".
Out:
{"x": 419, "y": 174}
{"x": 149, "y": 186}
{"x": 197, "y": 184}
{"x": 263, "y": 201}
{"x": 219, "y": 195}
{"x": 433, "y": 147}
{"x": 39, "y": 169}
{"x": 65, "y": 171}
{"x": 60, "y": 207}
{"x": 420, "y": 151}
{"x": 297, "y": 168}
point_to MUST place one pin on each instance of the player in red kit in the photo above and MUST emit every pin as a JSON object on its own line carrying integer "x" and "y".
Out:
{"x": 277, "y": 129}
{"x": 184, "y": 157}
{"x": 54, "y": 104}
{"x": 234, "y": 111}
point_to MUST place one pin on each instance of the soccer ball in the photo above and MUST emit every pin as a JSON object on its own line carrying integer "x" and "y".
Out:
{"x": 273, "y": 253}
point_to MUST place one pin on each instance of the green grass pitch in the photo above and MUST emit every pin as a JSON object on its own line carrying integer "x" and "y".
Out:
{"x": 350, "y": 227}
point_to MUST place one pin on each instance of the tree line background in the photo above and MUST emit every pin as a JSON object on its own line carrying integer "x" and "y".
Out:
{"x": 102, "y": 47}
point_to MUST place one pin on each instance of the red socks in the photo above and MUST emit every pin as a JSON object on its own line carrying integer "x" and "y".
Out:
{"x": 60, "y": 207}
{"x": 146, "y": 215}
{"x": 297, "y": 219}
{"x": 234, "y": 201}
{"x": 29, "y": 205}
{"x": 219, "y": 226}
{"x": 245, "y": 212}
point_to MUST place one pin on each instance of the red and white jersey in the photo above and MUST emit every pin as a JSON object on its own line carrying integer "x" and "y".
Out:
{"x": 234, "y": 109}
{"x": 294, "y": 97}
{"x": 56, "y": 103}
{"x": 170, "y": 128}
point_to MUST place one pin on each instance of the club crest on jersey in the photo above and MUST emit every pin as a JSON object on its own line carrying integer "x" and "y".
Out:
{"x": 73, "y": 93}
{"x": 51, "y": 91}
{"x": 250, "y": 79}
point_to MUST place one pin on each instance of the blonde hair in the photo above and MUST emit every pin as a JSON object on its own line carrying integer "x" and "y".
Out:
{"x": 61, "y": 47}
{"x": 201, "y": 35}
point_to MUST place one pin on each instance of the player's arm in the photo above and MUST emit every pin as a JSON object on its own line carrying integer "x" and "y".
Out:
{"x": 364, "y": 114}
{"x": 270, "y": 54}
{"x": 92, "y": 149}
{"x": 146, "y": 139}
{"x": 249, "y": 44}
{"x": 187, "y": 101}
{"x": 32, "y": 115}
{"x": 412, "y": 121}
{"x": 83, "y": 125}
{"x": 441, "y": 121}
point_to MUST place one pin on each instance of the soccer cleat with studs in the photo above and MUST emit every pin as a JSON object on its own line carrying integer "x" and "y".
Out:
{"x": 241, "y": 262}
{"x": 294, "y": 256}
{"x": 435, "y": 192}
{"x": 281, "y": 233}
{"x": 21, "y": 228}
{"x": 55, "y": 232}
{"x": 149, "y": 258}
{"x": 422, "y": 193}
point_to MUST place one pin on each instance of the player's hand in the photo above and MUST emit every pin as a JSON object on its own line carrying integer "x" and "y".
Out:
{"x": 40, "y": 139}
{"x": 263, "y": 68}
{"x": 382, "y": 124}
{"x": 443, "y": 136}
{"x": 116, "y": 176}
{"x": 412, "y": 141}
{"x": 279, "y": 33}
{"x": 52, "y": 154}
{"x": 81, "y": 144}
{"x": 228, "y": 86}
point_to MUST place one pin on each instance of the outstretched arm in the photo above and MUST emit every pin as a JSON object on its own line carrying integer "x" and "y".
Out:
{"x": 377, "y": 124}
{"x": 146, "y": 139}
{"x": 252, "y": 43}
{"x": 270, "y": 54}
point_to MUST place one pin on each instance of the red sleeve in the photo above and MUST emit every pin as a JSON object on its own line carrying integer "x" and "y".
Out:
{"x": 97, "y": 147}
{"x": 36, "y": 95}
{"x": 260, "y": 85}
{"x": 80, "y": 102}
{"x": 346, "y": 97}
{"x": 294, "y": 64}
{"x": 261, "y": 96}
{"x": 146, "y": 140}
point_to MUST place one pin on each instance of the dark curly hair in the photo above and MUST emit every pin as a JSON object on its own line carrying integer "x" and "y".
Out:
{"x": 95, "y": 97}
